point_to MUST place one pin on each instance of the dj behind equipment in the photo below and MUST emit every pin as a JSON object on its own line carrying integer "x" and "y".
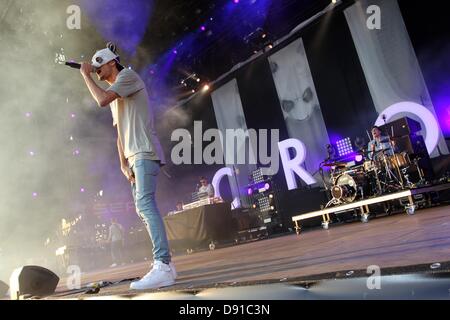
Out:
{"x": 204, "y": 195}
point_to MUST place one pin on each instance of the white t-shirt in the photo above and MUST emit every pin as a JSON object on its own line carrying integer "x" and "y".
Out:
{"x": 208, "y": 189}
{"x": 134, "y": 118}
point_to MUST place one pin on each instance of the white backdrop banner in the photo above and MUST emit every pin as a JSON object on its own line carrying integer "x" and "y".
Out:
{"x": 388, "y": 59}
{"x": 299, "y": 103}
{"x": 230, "y": 115}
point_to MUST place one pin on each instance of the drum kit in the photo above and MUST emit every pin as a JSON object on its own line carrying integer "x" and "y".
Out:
{"x": 386, "y": 173}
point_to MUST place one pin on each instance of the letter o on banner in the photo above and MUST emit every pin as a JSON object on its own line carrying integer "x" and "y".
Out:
{"x": 427, "y": 117}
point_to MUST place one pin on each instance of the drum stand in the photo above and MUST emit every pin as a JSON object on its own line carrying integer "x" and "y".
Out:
{"x": 419, "y": 171}
{"x": 409, "y": 184}
{"x": 335, "y": 202}
{"x": 391, "y": 175}
{"x": 375, "y": 190}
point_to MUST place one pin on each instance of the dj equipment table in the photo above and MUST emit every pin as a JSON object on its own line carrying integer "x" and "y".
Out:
{"x": 197, "y": 227}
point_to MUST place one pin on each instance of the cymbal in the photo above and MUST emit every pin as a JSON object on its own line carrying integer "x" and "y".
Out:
{"x": 335, "y": 164}
{"x": 366, "y": 153}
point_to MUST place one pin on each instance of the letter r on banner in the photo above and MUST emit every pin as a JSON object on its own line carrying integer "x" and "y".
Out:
{"x": 293, "y": 166}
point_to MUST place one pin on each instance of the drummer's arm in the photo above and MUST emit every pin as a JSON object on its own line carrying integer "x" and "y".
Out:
{"x": 392, "y": 146}
{"x": 371, "y": 149}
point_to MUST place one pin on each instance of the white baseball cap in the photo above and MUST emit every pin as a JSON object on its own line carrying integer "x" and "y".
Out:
{"x": 102, "y": 57}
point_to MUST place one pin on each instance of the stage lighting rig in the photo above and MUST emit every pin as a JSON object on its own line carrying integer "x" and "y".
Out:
{"x": 344, "y": 147}
{"x": 262, "y": 193}
{"x": 191, "y": 82}
{"x": 259, "y": 40}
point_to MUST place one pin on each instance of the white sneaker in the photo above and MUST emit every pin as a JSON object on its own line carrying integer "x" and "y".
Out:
{"x": 161, "y": 275}
{"x": 172, "y": 269}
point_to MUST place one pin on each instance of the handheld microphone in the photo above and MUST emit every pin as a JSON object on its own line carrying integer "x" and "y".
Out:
{"x": 74, "y": 65}
{"x": 77, "y": 65}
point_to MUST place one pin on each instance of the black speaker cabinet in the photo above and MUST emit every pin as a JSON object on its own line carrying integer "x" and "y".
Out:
{"x": 401, "y": 127}
{"x": 32, "y": 280}
{"x": 414, "y": 145}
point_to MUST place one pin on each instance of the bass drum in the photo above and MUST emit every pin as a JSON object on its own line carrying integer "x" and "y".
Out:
{"x": 348, "y": 186}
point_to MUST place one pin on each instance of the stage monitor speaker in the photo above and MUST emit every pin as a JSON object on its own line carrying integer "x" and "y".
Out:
{"x": 412, "y": 144}
{"x": 415, "y": 147}
{"x": 246, "y": 218}
{"x": 32, "y": 281}
{"x": 3, "y": 289}
{"x": 401, "y": 127}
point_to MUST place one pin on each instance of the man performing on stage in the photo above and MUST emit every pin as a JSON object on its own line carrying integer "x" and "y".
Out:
{"x": 379, "y": 145}
{"x": 139, "y": 151}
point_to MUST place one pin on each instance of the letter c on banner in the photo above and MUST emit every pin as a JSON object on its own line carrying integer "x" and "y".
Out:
{"x": 216, "y": 182}
{"x": 431, "y": 124}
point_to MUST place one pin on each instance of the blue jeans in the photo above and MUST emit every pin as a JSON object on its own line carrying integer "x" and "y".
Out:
{"x": 145, "y": 173}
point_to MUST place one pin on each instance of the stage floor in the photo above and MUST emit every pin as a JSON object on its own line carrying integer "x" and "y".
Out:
{"x": 397, "y": 244}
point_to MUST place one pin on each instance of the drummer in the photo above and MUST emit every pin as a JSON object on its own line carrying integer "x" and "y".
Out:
{"x": 378, "y": 144}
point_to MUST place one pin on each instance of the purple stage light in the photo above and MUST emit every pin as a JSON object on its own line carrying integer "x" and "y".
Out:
{"x": 358, "y": 158}
{"x": 72, "y": 115}
{"x": 175, "y": 52}
{"x": 35, "y": 194}
{"x": 82, "y": 190}
{"x": 203, "y": 28}
{"x": 267, "y": 186}
{"x": 76, "y": 152}
{"x": 28, "y": 114}
{"x": 236, "y": 1}
{"x": 249, "y": 191}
